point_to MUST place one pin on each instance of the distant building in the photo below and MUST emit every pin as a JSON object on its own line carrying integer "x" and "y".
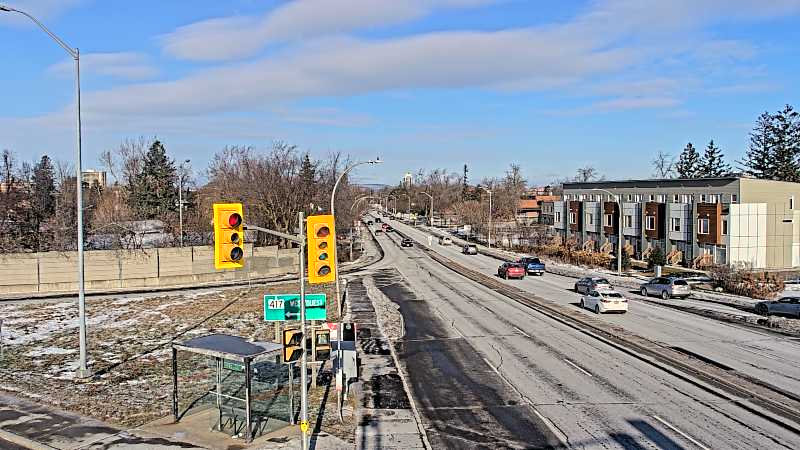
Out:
{"x": 533, "y": 206}
{"x": 408, "y": 180}
{"x": 696, "y": 222}
{"x": 91, "y": 177}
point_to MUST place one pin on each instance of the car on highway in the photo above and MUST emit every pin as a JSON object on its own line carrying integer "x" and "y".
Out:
{"x": 589, "y": 284}
{"x": 533, "y": 266}
{"x": 666, "y": 288}
{"x": 369, "y": 222}
{"x": 445, "y": 240}
{"x": 470, "y": 249}
{"x": 511, "y": 270}
{"x": 378, "y": 220}
{"x": 406, "y": 242}
{"x": 388, "y": 229}
{"x": 786, "y": 306}
{"x": 604, "y": 300}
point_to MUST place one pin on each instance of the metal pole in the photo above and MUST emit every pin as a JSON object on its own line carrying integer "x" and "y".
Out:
{"x": 175, "y": 384}
{"x": 619, "y": 239}
{"x": 304, "y": 360}
{"x": 83, "y": 371}
{"x": 180, "y": 204}
{"x": 490, "y": 219}
{"x": 247, "y": 401}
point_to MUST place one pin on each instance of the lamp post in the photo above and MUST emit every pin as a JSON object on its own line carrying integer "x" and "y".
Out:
{"x": 333, "y": 213}
{"x": 83, "y": 371}
{"x": 180, "y": 198}
{"x": 490, "y": 215}
{"x": 431, "y": 197}
{"x": 394, "y": 210}
{"x": 619, "y": 231}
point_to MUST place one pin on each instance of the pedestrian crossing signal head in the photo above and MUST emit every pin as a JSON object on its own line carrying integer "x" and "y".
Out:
{"x": 292, "y": 345}
{"x": 321, "y": 236}
{"x": 228, "y": 236}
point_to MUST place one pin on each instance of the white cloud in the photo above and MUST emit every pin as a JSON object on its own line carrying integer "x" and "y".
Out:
{"x": 125, "y": 65}
{"x": 237, "y": 37}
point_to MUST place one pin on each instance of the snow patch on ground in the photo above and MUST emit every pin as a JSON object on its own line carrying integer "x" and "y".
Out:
{"x": 42, "y": 351}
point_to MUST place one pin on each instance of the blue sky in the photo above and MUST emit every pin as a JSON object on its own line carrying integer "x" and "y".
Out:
{"x": 551, "y": 86}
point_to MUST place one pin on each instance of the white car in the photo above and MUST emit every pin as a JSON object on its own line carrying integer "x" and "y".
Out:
{"x": 445, "y": 240}
{"x": 604, "y": 301}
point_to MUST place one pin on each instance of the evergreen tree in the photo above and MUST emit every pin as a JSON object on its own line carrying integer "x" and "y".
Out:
{"x": 688, "y": 165}
{"x": 155, "y": 192}
{"x": 656, "y": 258}
{"x": 786, "y": 137}
{"x": 712, "y": 164}
{"x": 465, "y": 185}
{"x": 43, "y": 190}
{"x": 307, "y": 178}
{"x": 758, "y": 161}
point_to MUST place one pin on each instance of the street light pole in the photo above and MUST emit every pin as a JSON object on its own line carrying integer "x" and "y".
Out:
{"x": 490, "y": 215}
{"x": 180, "y": 199}
{"x": 83, "y": 371}
{"x": 431, "y": 197}
{"x": 619, "y": 231}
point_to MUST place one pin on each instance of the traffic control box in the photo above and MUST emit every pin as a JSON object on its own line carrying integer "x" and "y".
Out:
{"x": 292, "y": 345}
{"x": 228, "y": 236}
{"x": 321, "y": 238}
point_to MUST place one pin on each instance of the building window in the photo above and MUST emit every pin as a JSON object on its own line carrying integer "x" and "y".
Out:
{"x": 676, "y": 224}
{"x": 703, "y": 198}
{"x": 608, "y": 220}
{"x": 712, "y": 199}
{"x": 687, "y": 198}
{"x": 590, "y": 218}
{"x": 791, "y": 202}
{"x": 724, "y": 227}
{"x": 650, "y": 223}
{"x": 630, "y": 197}
{"x": 660, "y": 198}
{"x": 638, "y": 198}
{"x": 651, "y": 198}
{"x": 734, "y": 198}
{"x": 702, "y": 226}
{"x": 628, "y": 221}
{"x": 572, "y": 218}
{"x": 558, "y": 216}
{"x": 675, "y": 198}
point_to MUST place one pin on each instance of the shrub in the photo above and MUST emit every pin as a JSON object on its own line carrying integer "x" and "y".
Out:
{"x": 741, "y": 280}
{"x": 656, "y": 258}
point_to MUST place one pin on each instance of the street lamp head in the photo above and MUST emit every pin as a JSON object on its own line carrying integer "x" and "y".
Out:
{"x": 375, "y": 161}
{"x": 6, "y": 8}
{"x": 186, "y": 161}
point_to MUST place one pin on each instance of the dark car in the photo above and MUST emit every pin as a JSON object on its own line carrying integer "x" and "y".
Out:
{"x": 589, "y": 284}
{"x": 533, "y": 266}
{"x": 406, "y": 242}
{"x": 786, "y": 306}
{"x": 369, "y": 222}
{"x": 378, "y": 220}
{"x": 388, "y": 229}
{"x": 511, "y": 270}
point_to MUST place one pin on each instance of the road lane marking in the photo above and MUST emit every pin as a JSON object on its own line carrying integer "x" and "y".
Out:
{"x": 686, "y": 436}
{"x": 493, "y": 368}
{"x": 577, "y": 367}
{"x": 522, "y": 332}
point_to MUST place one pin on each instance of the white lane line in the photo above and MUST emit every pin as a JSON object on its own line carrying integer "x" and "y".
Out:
{"x": 577, "y": 366}
{"x": 493, "y": 367}
{"x": 522, "y": 332}
{"x": 686, "y": 436}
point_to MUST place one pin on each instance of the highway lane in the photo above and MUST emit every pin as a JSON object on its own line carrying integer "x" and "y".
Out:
{"x": 595, "y": 396}
{"x": 766, "y": 356}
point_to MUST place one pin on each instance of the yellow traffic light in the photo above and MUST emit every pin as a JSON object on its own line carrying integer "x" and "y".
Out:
{"x": 322, "y": 344}
{"x": 321, "y": 234}
{"x": 292, "y": 345}
{"x": 228, "y": 236}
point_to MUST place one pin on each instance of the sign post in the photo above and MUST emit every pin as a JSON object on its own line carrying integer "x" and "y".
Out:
{"x": 304, "y": 360}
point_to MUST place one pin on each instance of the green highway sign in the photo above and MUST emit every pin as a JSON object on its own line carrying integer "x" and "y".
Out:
{"x": 279, "y": 308}
{"x": 232, "y": 365}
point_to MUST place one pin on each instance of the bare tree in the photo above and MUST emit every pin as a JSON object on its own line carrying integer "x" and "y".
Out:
{"x": 586, "y": 174}
{"x": 663, "y": 165}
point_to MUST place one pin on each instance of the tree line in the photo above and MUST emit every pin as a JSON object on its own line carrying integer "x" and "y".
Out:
{"x": 38, "y": 201}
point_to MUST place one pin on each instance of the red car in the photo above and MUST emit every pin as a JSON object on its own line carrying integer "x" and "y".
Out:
{"x": 511, "y": 270}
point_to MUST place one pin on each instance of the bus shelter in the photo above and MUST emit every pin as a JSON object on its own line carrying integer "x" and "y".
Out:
{"x": 227, "y": 353}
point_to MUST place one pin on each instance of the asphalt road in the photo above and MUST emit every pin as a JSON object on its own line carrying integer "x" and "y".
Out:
{"x": 543, "y": 375}
{"x": 770, "y": 357}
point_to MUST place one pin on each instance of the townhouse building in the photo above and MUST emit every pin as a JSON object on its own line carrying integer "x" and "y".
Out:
{"x": 697, "y": 222}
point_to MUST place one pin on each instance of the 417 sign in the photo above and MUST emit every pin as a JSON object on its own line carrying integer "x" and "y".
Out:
{"x": 279, "y": 308}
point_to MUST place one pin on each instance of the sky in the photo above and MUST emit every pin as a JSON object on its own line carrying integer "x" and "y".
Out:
{"x": 422, "y": 84}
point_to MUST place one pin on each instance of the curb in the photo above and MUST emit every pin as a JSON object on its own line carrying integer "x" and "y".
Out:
{"x": 23, "y": 441}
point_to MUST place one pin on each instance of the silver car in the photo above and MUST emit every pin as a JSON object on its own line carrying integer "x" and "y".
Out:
{"x": 589, "y": 284}
{"x": 666, "y": 288}
{"x": 786, "y": 306}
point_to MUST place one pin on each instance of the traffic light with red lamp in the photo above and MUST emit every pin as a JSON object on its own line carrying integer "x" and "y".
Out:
{"x": 228, "y": 236}
{"x": 321, "y": 238}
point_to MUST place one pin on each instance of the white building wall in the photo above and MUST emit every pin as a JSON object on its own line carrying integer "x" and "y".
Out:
{"x": 680, "y": 211}
{"x": 635, "y": 211}
{"x": 559, "y": 220}
{"x": 747, "y": 234}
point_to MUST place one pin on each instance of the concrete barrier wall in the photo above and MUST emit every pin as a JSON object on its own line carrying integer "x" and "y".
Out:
{"x": 120, "y": 269}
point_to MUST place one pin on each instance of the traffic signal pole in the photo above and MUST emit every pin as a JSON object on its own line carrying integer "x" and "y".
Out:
{"x": 300, "y": 239}
{"x": 304, "y": 359}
